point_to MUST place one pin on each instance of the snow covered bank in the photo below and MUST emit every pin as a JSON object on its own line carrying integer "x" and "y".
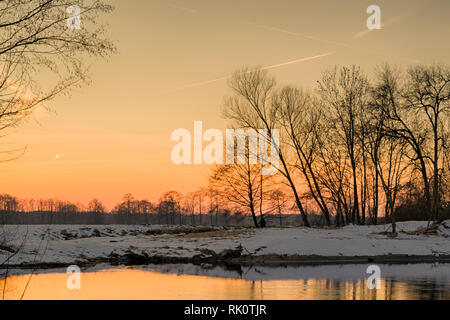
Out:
{"x": 57, "y": 244}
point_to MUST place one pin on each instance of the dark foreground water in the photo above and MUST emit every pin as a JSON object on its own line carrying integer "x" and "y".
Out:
{"x": 418, "y": 281}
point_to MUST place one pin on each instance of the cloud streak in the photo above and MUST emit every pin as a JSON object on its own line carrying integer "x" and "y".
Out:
{"x": 297, "y": 61}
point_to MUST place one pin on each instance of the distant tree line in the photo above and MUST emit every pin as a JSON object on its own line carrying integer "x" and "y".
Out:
{"x": 196, "y": 208}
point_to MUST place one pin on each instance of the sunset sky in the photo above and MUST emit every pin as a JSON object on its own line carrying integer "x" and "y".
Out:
{"x": 113, "y": 136}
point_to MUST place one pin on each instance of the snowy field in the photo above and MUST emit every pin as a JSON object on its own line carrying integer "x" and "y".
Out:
{"x": 58, "y": 244}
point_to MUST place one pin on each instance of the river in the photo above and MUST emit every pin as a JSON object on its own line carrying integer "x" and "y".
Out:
{"x": 349, "y": 282}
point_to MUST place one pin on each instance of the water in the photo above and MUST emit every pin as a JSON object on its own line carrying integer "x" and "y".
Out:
{"x": 398, "y": 282}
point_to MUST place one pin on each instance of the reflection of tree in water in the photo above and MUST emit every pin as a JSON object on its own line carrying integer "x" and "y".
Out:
{"x": 357, "y": 290}
{"x": 239, "y": 287}
{"x": 428, "y": 289}
{"x": 8, "y": 287}
{"x": 391, "y": 289}
{"x": 342, "y": 289}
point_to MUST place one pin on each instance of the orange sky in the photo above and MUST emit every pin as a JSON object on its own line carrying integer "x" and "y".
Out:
{"x": 113, "y": 136}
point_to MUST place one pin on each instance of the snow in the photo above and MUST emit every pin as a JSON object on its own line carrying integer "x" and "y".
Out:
{"x": 70, "y": 244}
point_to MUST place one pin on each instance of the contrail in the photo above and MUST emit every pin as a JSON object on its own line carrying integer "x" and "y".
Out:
{"x": 174, "y": 6}
{"x": 202, "y": 83}
{"x": 295, "y": 34}
{"x": 275, "y": 29}
{"x": 296, "y": 61}
{"x": 263, "y": 68}
{"x": 389, "y": 22}
{"x": 341, "y": 44}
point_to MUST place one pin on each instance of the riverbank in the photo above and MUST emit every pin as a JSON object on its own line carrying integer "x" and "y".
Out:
{"x": 62, "y": 245}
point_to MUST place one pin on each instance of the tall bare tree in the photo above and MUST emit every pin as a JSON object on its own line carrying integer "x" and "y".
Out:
{"x": 346, "y": 93}
{"x": 428, "y": 93}
{"x": 37, "y": 43}
{"x": 299, "y": 114}
{"x": 391, "y": 170}
{"x": 251, "y": 107}
{"x": 417, "y": 108}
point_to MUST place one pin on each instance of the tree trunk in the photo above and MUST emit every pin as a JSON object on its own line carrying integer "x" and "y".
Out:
{"x": 294, "y": 190}
{"x": 375, "y": 209}
{"x": 355, "y": 211}
{"x": 252, "y": 210}
{"x": 436, "y": 170}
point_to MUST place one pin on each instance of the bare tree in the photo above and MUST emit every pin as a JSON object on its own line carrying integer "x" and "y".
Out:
{"x": 189, "y": 205}
{"x": 170, "y": 204}
{"x": 251, "y": 108}
{"x": 417, "y": 108}
{"x": 428, "y": 93}
{"x": 239, "y": 184}
{"x": 35, "y": 40}
{"x": 299, "y": 114}
{"x": 96, "y": 206}
{"x": 279, "y": 199}
{"x": 346, "y": 92}
{"x": 199, "y": 197}
{"x": 375, "y": 123}
{"x": 391, "y": 170}
{"x": 334, "y": 177}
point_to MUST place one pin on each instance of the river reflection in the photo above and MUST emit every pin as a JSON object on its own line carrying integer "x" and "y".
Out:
{"x": 138, "y": 283}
